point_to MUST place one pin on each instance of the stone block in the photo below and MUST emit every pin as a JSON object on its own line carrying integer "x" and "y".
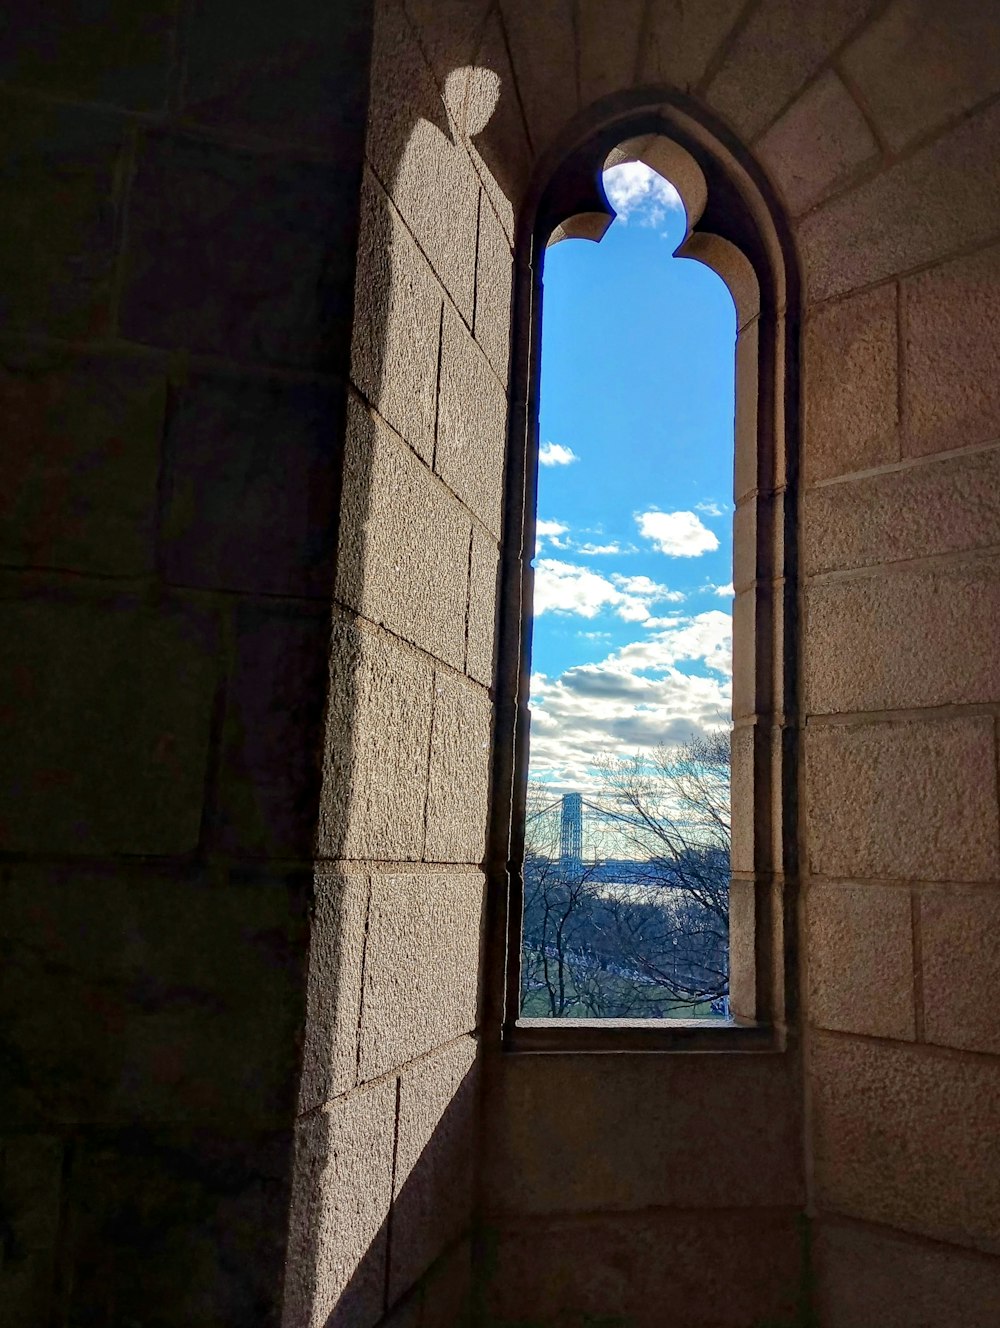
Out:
{"x": 608, "y": 39}
{"x": 105, "y": 735}
{"x": 407, "y": 1313}
{"x": 749, "y": 690}
{"x": 894, "y": 222}
{"x": 176, "y": 1225}
{"x": 404, "y": 542}
{"x": 851, "y": 413}
{"x": 548, "y": 1112}
{"x": 336, "y": 1269}
{"x": 877, "y": 1279}
{"x": 495, "y": 126}
{"x": 742, "y": 949}
{"x": 907, "y": 1136}
{"x": 904, "y": 638}
{"x": 821, "y": 139}
{"x": 59, "y": 205}
{"x": 267, "y": 794}
{"x": 681, "y": 38}
{"x": 435, "y": 1161}
{"x": 240, "y": 254}
{"x": 402, "y": 90}
{"x": 421, "y": 980}
{"x": 743, "y": 744}
{"x": 114, "y": 53}
{"x": 952, "y": 379}
{"x": 30, "y": 1190}
{"x": 494, "y": 275}
{"x": 918, "y": 64}
{"x": 449, "y": 33}
{"x": 745, "y": 459}
{"x": 707, "y": 1270}
{"x": 960, "y": 951}
{"x": 950, "y": 505}
{"x": 459, "y": 772}
{"x": 472, "y": 421}
{"x": 148, "y": 996}
{"x": 377, "y": 744}
{"x": 483, "y": 590}
{"x": 907, "y": 801}
{"x": 249, "y": 488}
{"x": 397, "y": 324}
{"x": 543, "y": 47}
{"x": 414, "y": 150}
{"x": 297, "y": 73}
{"x": 859, "y": 958}
{"x": 333, "y": 1014}
{"x": 746, "y": 564}
{"x": 80, "y": 464}
{"x": 775, "y": 53}
{"x": 448, "y": 1290}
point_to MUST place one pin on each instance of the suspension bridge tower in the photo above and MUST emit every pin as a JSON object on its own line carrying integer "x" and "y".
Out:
{"x": 571, "y": 831}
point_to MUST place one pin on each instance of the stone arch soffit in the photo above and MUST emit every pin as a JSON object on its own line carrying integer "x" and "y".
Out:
{"x": 677, "y": 166}
{"x": 735, "y": 224}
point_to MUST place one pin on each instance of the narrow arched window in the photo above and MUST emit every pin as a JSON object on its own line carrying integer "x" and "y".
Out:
{"x": 626, "y": 865}
{"x": 643, "y": 683}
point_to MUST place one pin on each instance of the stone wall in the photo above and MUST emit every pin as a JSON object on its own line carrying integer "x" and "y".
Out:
{"x": 387, "y": 1141}
{"x": 877, "y": 124}
{"x": 178, "y": 221}
{"x": 254, "y": 471}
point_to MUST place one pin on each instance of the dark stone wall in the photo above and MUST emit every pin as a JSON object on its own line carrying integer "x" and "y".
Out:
{"x": 179, "y": 193}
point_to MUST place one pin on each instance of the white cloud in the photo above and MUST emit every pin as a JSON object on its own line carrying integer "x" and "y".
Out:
{"x": 677, "y": 534}
{"x": 711, "y": 508}
{"x": 634, "y": 190}
{"x": 593, "y": 550}
{"x": 562, "y": 587}
{"x": 672, "y": 683}
{"x": 554, "y": 454}
{"x": 726, "y": 591}
{"x": 551, "y": 532}
{"x": 566, "y": 588}
{"x": 643, "y": 585}
{"x": 546, "y": 529}
{"x": 707, "y": 637}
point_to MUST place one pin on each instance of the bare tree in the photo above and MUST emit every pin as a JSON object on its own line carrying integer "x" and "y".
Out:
{"x": 558, "y": 911}
{"x": 673, "y": 810}
{"x": 643, "y": 930}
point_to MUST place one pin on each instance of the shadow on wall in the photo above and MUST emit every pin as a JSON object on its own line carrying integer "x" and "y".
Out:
{"x": 383, "y": 1188}
{"x": 373, "y": 1226}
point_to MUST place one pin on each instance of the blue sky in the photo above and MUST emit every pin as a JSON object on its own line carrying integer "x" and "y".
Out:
{"x": 632, "y": 639}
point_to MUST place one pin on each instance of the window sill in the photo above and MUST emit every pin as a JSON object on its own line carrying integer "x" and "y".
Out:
{"x": 638, "y": 1035}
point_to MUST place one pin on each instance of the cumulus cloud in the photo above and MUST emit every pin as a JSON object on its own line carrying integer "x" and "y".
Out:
{"x": 677, "y": 534}
{"x": 552, "y": 532}
{"x": 635, "y": 191}
{"x": 644, "y": 585}
{"x": 672, "y": 684}
{"x": 554, "y": 454}
{"x": 593, "y": 550}
{"x": 726, "y": 591}
{"x": 711, "y": 508}
{"x": 705, "y": 637}
{"x": 562, "y": 587}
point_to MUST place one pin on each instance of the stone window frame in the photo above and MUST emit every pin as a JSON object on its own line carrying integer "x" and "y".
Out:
{"x": 736, "y": 227}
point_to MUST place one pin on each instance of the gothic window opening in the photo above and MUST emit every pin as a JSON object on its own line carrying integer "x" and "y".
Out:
{"x": 627, "y": 826}
{"x": 643, "y": 850}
